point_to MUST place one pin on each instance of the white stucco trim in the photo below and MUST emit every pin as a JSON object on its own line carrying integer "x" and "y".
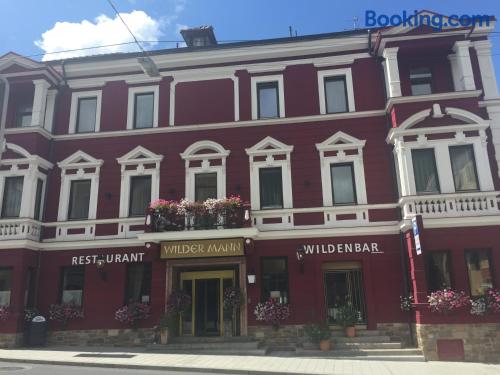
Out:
{"x": 74, "y": 108}
{"x": 341, "y": 142}
{"x": 132, "y": 91}
{"x": 270, "y": 147}
{"x": 281, "y": 93}
{"x": 215, "y": 152}
{"x": 79, "y": 161}
{"x": 140, "y": 157}
{"x": 345, "y": 72}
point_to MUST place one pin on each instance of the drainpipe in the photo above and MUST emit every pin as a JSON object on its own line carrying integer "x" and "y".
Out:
{"x": 3, "y": 112}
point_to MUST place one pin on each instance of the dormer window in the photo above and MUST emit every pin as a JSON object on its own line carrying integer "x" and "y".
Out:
{"x": 421, "y": 81}
{"x": 23, "y": 115}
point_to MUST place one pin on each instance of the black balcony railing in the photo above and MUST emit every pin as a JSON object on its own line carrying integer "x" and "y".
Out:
{"x": 165, "y": 219}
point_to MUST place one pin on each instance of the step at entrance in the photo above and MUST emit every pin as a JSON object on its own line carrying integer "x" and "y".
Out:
{"x": 212, "y": 345}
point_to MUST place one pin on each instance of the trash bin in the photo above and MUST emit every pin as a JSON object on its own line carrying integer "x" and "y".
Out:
{"x": 37, "y": 335}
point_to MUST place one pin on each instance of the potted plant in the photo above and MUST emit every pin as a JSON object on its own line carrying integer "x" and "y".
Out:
{"x": 347, "y": 317}
{"x": 164, "y": 327}
{"x": 133, "y": 313}
{"x": 272, "y": 312}
{"x": 232, "y": 301}
{"x": 319, "y": 334}
{"x": 486, "y": 304}
{"x": 177, "y": 302}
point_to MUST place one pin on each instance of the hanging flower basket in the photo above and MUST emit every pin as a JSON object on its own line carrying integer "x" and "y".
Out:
{"x": 133, "y": 313}
{"x": 64, "y": 312}
{"x": 486, "y": 304}
{"x": 4, "y": 313}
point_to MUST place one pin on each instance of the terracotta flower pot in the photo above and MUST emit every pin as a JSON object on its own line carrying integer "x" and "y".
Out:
{"x": 350, "y": 331}
{"x": 325, "y": 345}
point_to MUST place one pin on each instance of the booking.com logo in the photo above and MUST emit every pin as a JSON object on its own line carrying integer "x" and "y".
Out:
{"x": 415, "y": 19}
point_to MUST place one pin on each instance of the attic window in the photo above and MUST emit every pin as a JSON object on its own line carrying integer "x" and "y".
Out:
{"x": 421, "y": 81}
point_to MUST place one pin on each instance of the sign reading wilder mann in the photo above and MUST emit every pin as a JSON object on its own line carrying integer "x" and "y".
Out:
{"x": 227, "y": 247}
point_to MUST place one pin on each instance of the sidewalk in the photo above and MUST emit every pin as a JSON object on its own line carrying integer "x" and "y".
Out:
{"x": 141, "y": 359}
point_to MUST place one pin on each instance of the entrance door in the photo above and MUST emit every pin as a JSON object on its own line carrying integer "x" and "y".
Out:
{"x": 344, "y": 284}
{"x": 206, "y": 289}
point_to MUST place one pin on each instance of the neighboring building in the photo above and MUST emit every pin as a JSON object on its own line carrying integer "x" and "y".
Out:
{"x": 336, "y": 141}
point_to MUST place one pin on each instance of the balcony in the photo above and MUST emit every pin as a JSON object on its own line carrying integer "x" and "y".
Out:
{"x": 451, "y": 205}
{"x": 19, "y": 229}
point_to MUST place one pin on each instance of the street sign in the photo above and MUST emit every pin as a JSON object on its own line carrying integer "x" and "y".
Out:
{"x": 416, "y": 235}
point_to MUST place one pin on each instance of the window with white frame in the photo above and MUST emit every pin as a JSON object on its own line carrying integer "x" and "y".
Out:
{"x": 205, "y": 163}
{"x": 85, "y": 115}
{"x": 342, "y": 170}
{"x": 268, "y": 97}
{"x": 336, "y": 92}
{"x": 5, "y": 285}
{"x": 22, "y": 184}
{"x": 421, "y": 81}
{"x": 140, "y": 181}
{"x": 460, "y": 154}
{"x": 142, "y": 111}
{"x": 79, "y": 187}
{"x": 270, "y": 175}
{"x": 23, "y": 114}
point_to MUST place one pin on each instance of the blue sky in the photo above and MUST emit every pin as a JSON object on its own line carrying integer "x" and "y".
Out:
{"x": 25, "y": 21}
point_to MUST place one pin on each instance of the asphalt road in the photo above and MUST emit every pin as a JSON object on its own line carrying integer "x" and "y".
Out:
{"x": 12, "y": 368}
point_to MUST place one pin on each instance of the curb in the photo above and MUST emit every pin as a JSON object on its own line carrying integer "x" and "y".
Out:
{"x": 146, "y": 367}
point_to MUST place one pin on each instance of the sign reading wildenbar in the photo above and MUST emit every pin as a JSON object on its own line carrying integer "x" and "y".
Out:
{"x": 202, "y": 248}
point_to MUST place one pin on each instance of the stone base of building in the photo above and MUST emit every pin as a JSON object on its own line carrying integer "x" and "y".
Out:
{"x": 284, "y": 335}
{"x": 480, "y": 342}
{"x": 104, "y": 337}
{"x": 10, "y": 340}
{"x": 400, "y": 332}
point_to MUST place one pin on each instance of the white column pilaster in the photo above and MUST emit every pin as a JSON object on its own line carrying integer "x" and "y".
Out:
{"x": 493, "y": 109}
{"x": 391, "y": 71}
{"x": 483, "y": 51}
{"x": 39, "y": 100}
{"x": 461, "y": 66}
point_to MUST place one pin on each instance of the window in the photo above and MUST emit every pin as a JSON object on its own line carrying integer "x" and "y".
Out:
{"x": 86, "y": 116}
{"x": 438, "y": 270}
{"x": 140, "y": 195}
{"x": 480, "y": 271}
{"x": 144, "y": 110}
{"x": 138, "y": 287}
{"x": 343, "y": 186}
{"x": 271, "y": 188}
{"x": 23, "y": 115}
{"x": 268, "y": 100}
{"x": 205, "y": 186}
{"x": 336, "y": 94}
{"x": 425, "y": 171}
{"x": 463, "y": 165}
{"x": 12, "y": 196}
{"x": 421, "y": 81}
{"x": 29, "y": 291}
{"x": 275, "y": 279}
{"x": 79, "y": 200}
{"x": 38, "y": 199}
{"x": 72, "y": 285}
{"x": 5, "y": 285}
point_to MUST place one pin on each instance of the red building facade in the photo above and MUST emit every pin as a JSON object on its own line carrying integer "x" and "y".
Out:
{"x": 333, "y": 141}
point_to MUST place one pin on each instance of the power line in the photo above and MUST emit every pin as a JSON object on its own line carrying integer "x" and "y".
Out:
{"x": 125, "y": 24}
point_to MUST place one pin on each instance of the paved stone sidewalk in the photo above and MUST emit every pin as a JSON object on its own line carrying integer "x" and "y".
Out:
{"x": 127, "y": 358}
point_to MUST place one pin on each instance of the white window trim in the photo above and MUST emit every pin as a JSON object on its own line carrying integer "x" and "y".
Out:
{"x": 31, "y": 176}
{"x": 73, "y": 162}
{"x": 281, "y": 93}
{"x": 219, "y": 153}
{"x": 132, "y": 91}
{"x": 347, "y": 143}
{"x": 347, "y": 73}
{"x": 139, "y": 157}
{"x": 269, "y": 147}
{"x": 74, "y": 108}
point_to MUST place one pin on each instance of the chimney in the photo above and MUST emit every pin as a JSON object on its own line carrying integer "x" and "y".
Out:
{"x": 202, "y": 36}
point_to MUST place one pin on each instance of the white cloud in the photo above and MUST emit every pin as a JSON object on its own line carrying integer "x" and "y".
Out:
{"x": 103, "y": 31}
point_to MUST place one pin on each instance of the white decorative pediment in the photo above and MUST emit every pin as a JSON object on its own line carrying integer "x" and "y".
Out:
{"x": 340, "y": 141}
{"x": 24, "y": 157}
{"x": 80, "y": 160}
{"x": 11, "y": 58}
{"x": 139, "y": 155}
{"x": 204, "y": 150}
{"x": 269, "y": 146}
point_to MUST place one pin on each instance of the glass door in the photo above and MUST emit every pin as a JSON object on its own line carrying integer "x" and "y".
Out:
{"x": 344, "y": 286}
{"x": 206, "y": 289}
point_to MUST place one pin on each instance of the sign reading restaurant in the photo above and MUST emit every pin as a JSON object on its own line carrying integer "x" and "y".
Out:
{"x": 227, "y": 247}
{"x": 343, "y": 248}
{"x": 108, "y": 258}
